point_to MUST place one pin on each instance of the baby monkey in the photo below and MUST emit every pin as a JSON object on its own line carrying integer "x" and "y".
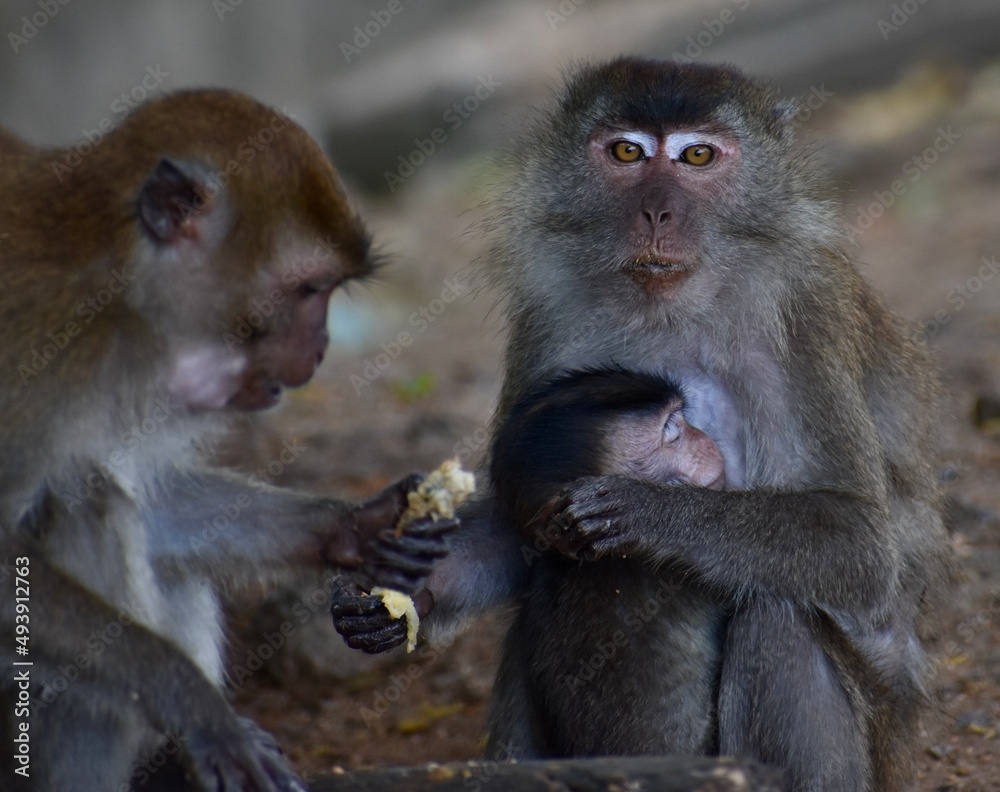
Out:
{"x": 596, "y": 422}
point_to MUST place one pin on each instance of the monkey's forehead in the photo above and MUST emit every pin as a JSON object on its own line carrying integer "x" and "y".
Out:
{"x": 659, "y": 94}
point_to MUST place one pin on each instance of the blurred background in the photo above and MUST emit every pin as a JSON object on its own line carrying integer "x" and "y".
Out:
{"x": 411, "y": 101}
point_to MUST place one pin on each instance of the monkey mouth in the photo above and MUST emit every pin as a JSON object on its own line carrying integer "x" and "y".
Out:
{"x": 657, "y": 275}
{"x": 657, "y": 266}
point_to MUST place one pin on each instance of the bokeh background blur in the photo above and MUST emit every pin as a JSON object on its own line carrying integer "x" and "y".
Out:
{"x": 411, "y": 101}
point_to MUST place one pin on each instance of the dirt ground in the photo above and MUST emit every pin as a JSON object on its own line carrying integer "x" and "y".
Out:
{"x": 382, "y": 407}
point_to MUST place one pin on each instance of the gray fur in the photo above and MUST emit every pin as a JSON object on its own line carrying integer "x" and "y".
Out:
{"x": 817, "y": 568}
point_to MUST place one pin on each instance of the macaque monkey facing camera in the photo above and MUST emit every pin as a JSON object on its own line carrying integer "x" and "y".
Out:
{"x": 180, "y": 272}
{"x": 664, "y": 217}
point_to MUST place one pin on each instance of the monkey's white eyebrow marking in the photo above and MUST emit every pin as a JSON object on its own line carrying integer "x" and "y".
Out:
{"x": 676, "y": 142}
{"x": 647, "y": 142}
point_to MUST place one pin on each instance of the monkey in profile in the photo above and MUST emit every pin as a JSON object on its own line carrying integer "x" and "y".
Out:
{"x": 663, "y": 217}
{"x": 178, "y": 274}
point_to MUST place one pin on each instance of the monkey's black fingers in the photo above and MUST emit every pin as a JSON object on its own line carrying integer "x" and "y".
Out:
{"x": 405, "y": 486}
{"x": 407, "y": 580}
{"x": 594, "y": 538}
{"x": 430, "y": 527}
{"x": 348, "y": 600}
{"x": 363, "y": 621}
{"x": 379, "y": 641}
{"x": 404, "y": 562}
{"x": 394, "y": 579}
{"x": 373, "y": 633}
{"x": 560, "y": 530}
{"x": 600, "y": 548}
{"x": 345, "y": 590}
{"x": 407, "y": 554}
{"x": 396, "y": 493}
{"x": 349, "y": 625}
{"x": 586, "y": 520}
{"x": 424, "y": 547}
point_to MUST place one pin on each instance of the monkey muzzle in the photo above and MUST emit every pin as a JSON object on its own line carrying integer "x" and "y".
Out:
{"x": 657, "y": 275}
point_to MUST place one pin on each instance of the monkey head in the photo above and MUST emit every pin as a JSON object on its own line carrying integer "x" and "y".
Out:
{"x": 236, "y": 233}
{"x": 595, "y": 422}
{"x": 656, "y": 442}
{"x": 653, "y": 183}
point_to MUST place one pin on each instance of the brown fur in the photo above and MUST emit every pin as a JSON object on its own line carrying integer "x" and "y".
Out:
{"x": 212, "y": 230}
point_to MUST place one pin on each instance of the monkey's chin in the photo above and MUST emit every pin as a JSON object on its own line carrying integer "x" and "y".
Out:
{"x": 658, "y": 276}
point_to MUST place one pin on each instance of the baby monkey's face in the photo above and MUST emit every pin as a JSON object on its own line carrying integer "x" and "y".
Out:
{"x": 661, "y": 445}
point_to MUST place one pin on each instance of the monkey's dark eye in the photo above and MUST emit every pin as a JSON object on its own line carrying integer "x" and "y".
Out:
{"x": 627, "y": 151}
{"x": 698, "y": 154}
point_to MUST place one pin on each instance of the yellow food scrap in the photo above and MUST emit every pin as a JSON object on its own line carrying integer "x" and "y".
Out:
{"x": 399, "y": 604}
{"x": 440, "y": 493}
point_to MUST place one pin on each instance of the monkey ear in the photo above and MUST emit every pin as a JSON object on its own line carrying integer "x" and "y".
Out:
{"x": 170, "y": 201}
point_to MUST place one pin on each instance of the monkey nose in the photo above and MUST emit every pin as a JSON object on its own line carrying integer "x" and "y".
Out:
{"x": 656, "y": 217}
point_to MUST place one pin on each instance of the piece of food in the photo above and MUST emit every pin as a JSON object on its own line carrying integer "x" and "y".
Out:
{"x": 399, "y": 604}
{"x": 437, "y": 496}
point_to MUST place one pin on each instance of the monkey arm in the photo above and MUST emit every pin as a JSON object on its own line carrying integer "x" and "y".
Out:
{"x": 832, "y": 549}
{"x": 487, "y": 565}
{"x": 213, "y": 520}
{"x": 140, "y": 671}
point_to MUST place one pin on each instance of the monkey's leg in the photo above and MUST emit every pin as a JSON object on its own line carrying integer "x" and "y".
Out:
{"x": 77, "y": 743}
{"x": 781, "y": 702}
{"x": 514, "y": 729}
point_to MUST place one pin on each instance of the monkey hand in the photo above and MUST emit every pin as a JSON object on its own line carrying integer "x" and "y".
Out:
{"x": 390, "y": 557}
{"x": 394, "y": 557}
{"x": 403, "y": 560}
{"x": 345, "y": 548}
{"x": 247, "y": 759}
{"x": 593, "y": 517}
{"x": 364, "y": 622}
